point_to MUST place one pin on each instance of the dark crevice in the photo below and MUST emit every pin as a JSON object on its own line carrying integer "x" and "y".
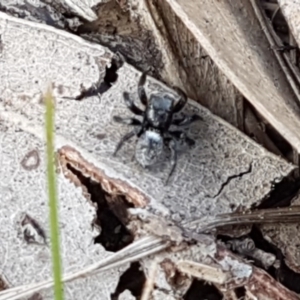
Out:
{"x": 240, "y": 175}
{"x": 133, "y": 279}
{"x": 280, "y": 143}
{"x": 282, "y": 194}
{"x": 110, "y": 77}
{"x": 261, "y": 243}
{"x": 279, "y": 23}
{"x": 240, "y": 292}
{"x": 111, "y": 215}
{"x": 283, "y": 274}
{"x": 70, "y": 15}
{"x": 288, "y": 277}
{"x": 201, "y": 290}
{"x": 102, "y": 86}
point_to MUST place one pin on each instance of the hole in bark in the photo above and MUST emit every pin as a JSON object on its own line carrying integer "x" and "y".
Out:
{"x": 282, "y": 194}
{"x": 111, "y": 76}
{"x": 133, "y": 279}
{"x": 201, "y": 290}
{"x": 111, "y": 214}
{"x": 240, "y": 292}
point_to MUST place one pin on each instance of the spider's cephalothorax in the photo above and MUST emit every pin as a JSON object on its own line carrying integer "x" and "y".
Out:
{"x": 153, "y": 131}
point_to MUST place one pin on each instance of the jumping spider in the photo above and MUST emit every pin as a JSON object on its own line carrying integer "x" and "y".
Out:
{"x": 153, "y": 131}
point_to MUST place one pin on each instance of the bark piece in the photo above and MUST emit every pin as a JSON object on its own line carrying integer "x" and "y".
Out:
{"x": 24, "y": 247}
{"x": 225, "y": 170}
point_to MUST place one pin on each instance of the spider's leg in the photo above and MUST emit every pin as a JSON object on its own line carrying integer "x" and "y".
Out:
{"x": 181, "y": 136}
{"x": 143, "y": 128}
{"x": 130, "y": 104}
{"x": 186, "y": 120}
{"x": 173, "y": 159}
{"x": 181, "y": 102}
{"x": 141, "y": 89}
{"x": 127, "y": 121}
{"x": 125, "y": 138}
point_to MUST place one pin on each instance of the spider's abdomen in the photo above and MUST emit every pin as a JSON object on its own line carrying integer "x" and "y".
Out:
{"x": 149, "y": 148}
{"x": 158, "y": 113}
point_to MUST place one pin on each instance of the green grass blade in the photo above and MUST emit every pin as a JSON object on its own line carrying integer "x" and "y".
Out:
{"x": 58, "y": 286}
